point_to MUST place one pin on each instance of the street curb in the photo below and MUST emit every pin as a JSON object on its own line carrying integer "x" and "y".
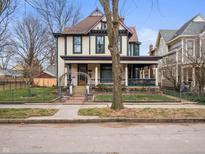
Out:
{"x": 101, "y": 120}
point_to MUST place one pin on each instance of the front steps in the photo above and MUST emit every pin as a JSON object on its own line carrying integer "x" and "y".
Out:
{"x": 79, "y": 91}
{"x": 78, "y": 96}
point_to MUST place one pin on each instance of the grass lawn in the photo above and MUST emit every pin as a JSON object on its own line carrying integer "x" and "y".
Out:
{"x": 39, "y": 94}
{"x": 138, "y": 97}
{"x": 156, "y": 113}
{"x": 25, "y": 113}
{"x": 186, "y": 95}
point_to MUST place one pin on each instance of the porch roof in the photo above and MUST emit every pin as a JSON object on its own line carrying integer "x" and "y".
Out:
{"x": 108, "y": 59}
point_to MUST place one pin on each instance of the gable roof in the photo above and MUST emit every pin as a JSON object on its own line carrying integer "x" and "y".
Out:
{"x": 45, "y": 74}
{"x": 167, "y": 34}
{"x": 192, "y": 27}
{"x": 134, "y": 37}
{"x": 84, "y": 26}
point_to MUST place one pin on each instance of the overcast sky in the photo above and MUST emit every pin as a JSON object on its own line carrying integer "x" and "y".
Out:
{"x": 146, "y": 16}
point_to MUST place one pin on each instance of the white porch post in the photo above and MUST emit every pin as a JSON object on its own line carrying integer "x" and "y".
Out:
{"x": 96, "y": 75}
{"x": 182, "y": 74}
{"x": 194, "y": 76}
{"x": 140, "y": 73}
{"x": 126, "y": 76}
{"x": 156, "y": 76}
{"x": 187, "y": 74}
{"x": 149, "y": 73}
{"x": 177, "y": 74}
{"x": 143, "y": 74}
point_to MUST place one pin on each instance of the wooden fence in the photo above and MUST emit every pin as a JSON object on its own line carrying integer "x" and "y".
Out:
{"x": 12, "y": 83}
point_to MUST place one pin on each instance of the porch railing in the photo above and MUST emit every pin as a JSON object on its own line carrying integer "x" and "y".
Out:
{"x": 131, "y": 82}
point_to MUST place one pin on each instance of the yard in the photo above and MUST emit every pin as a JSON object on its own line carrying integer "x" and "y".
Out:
{"x": 22, "y": 95}
{"x": 25, "y": 113}
{"x": 153, "y": 113}
{"x": 186, "y": 95}
{"x": 135, "y": 97}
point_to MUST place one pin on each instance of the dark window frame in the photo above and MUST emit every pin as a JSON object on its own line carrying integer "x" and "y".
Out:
{"x": 74, "y": 52}
{"x": 97, "y": 52}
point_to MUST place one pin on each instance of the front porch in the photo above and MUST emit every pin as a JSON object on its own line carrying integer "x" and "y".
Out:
{"x": 132, "y": 75}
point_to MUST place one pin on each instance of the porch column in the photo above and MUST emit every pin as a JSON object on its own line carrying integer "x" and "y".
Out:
{"x": 149, "y": 73}
{"x": 156, "y": 76}
{"x": 187, "y": 74}
{"x": 140, "y": 73}
{"x": 96, "y": 75}
{"x": 143, "y": 74}
{"x": 126, "y": 76}
{"x": 194, "y": 76}
{"x": 177, "y": 74}
{"x": 182, "y": 74}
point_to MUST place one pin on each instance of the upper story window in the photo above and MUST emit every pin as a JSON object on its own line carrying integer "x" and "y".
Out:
{"x": 103, "y": 25}
{"x": 190, "y": 47}
{"x": 100, "y": 44}
{"x": 77, "y": 44}
{"x": 120, "y": 43}
{"x": 133, "y": 49}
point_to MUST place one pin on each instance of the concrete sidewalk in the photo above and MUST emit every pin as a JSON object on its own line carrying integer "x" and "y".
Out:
{"x": 70, "y": 112}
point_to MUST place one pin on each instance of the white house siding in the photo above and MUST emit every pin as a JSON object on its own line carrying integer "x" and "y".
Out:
{"x": 61, "y": 51}
{"x": 98, "y": 26}
{"x": 69, "y": 45}
{"x": 162, "y": 49}
{"x": 85, "y": 45}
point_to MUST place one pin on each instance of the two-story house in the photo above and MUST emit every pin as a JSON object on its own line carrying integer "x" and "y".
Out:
{"x": 179, "y": 48}
{"x": 83, "y": 56}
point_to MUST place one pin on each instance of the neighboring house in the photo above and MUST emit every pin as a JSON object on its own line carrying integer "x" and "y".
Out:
{"x": 178, "y": 48}
{"x": 45, "y": 79}
{"x": 84, "y": 58}
{"x": 18, "y": 67}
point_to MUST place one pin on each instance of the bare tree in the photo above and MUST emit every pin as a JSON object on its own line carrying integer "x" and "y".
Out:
{"x": 7, "y": 53}
{"x": 169, "y": 72}
{"x": 197, "y": 61}
{"x": 113, "y": 21}
{"x": 7, "y": 8}
{"x": 31, "y": 45}
{"x": 57, "y": 14}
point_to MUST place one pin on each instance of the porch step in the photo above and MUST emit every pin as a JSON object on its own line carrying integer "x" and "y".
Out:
{"x": 75, "y": 100}
{"x": 79, "y": 91}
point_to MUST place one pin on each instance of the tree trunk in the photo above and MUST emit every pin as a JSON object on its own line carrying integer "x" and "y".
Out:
{"x": 117, "y": 78}
{"x": 112, "y": 18}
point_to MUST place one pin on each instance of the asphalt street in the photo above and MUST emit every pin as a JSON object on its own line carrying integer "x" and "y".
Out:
{"x": 108, "y": 138}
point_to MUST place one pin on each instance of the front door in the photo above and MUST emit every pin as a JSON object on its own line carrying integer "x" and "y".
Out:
{"x": 82, "y": 79}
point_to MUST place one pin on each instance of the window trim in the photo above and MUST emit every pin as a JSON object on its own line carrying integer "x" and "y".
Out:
{"x": 81, "y": 42}
{"x": 103, "y": 44}
{"x": 193, "y": 52}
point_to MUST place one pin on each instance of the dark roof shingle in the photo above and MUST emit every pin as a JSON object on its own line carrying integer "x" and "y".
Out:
{"x": 167, "y": 34}
{"x": 84, "y": 26}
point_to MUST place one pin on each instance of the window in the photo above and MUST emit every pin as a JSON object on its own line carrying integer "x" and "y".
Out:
{"x": 100, "y": 44}
{"x": 77, "y": 44}
{"x": 103, "y": 25}
{"x": 133, "y": 49}
{"x": 190, "y": 47}
{"x": 105, "y": 73}
{"x": 120, "y": 43}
